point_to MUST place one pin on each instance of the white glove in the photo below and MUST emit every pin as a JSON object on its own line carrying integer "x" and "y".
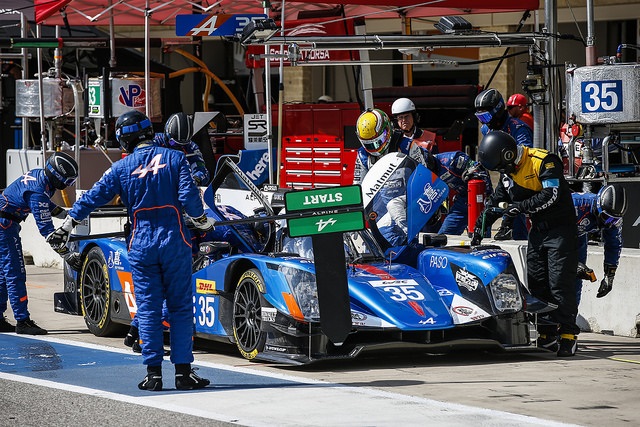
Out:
{"x": 203, "y": 223}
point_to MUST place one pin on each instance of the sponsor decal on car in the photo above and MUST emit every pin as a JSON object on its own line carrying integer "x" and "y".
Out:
{"x": 275, "y": 348}
{"x": 467, "y": 280}
{"x": 268, "y": 314}
{"x": 205, "y": 286}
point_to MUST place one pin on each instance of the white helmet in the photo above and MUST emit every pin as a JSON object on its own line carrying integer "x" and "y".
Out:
{"x": 402, "y": 105}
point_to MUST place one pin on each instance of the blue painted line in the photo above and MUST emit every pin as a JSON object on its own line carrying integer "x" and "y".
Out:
{"x": 110, "y": 371}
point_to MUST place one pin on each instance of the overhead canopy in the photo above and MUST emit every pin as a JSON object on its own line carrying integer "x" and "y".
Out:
{"x": 163, "y": 12}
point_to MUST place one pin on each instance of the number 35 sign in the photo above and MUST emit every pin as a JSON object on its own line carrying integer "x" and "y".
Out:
{"x": 602, "y": 96}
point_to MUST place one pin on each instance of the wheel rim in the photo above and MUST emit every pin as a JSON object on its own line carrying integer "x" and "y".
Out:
{"x": 94, "y": 293}
{"x": 246, "y": 315}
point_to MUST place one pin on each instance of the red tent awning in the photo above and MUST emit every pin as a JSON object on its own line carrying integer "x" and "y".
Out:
{"x": 131, "y": 12}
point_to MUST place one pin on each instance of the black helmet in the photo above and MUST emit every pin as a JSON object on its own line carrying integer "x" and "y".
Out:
{"x": 61, "y": 169}
{"x": 132, "y": 128}
{"x": 498, "y": 151}
{"x": 490, "y": 108}
{"x": 179, "y": 128}
{"x": 611, "y": 204}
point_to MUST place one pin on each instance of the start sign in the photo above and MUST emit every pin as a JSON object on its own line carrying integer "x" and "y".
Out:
{"x": 325, "y": 210}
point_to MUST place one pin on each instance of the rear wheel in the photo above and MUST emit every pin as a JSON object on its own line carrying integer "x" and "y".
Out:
{"x": 95, "y": 295}
{"x": 247, "y": 314}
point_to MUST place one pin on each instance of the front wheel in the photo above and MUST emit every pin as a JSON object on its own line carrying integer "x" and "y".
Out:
{"x": 247, "y": 314}
{"x": 95, "y": 295}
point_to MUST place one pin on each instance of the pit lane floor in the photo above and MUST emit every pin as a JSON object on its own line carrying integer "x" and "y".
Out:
{"x": 77, "y": 370}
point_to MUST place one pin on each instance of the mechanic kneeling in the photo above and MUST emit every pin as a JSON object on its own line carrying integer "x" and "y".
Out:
{"x": 532, "y": 182}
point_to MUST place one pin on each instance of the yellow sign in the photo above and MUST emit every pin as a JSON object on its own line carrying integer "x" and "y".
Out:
{"x": 205, "y": 286}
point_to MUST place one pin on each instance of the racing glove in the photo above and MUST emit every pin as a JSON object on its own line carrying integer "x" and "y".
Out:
{"x": 59, "y": 212}
{"x": 512, "y": 210}
{"x": 607, "y": 283}
{"x": 74, "y": 260}
{"x": 586, "y": 273}
{"x": 476, "y": 237}
{"x": 203, "y": 223}
{"x": 59, "y": 238}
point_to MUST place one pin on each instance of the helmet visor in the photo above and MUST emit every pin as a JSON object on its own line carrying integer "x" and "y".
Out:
{"x": 484, "y": 117}
{"x": 378, "y": 144}
{"x": 66, "y": 181}
{"x": 135, "y": 127}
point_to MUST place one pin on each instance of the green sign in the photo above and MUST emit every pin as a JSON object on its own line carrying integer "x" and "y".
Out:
{"x": 95, "y": 102}
{"x": 322, "y": 198}
{"x": 322, "y": 224}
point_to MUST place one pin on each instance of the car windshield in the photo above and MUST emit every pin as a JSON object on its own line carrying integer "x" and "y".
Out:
{"x": 236, "y": 198}
{"x": 359, "y": 246}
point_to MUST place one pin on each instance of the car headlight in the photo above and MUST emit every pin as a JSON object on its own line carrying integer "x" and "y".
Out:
{"x": 505, "y": 292}
{"x": 305, "y": 290}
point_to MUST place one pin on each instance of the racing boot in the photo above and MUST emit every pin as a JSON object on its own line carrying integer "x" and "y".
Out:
{"x": 29, "y": 327}
{"x": 568, "y": 345}
{"x": 186, "y": 378}
{"x": 132, "y": 337}
{"x": 548, "y": 342}
{"x": 153, "y": 380}
{"x": 5, "y": 326}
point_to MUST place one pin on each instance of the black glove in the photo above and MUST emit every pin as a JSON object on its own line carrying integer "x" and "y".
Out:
{"x": 586, "y": 273}
{"x": 512, "y": 210}
{"x": 59, "y": 238}
{"x": 59, "y": 212}
{"x": 477, "y": 236}
{"x": 203, "y": 223}
{"x": 74, "y": 260}
{"x": 607, "y": 283}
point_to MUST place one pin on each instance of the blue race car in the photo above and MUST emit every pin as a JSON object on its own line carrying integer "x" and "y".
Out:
{"x": 255, "y": 287}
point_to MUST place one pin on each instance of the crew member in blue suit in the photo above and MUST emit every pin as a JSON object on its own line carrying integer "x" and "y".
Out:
{"x": 31, "y": 193}
{"x": 492, "y": 113}
{"x": 177, "y": 135}
{"x": 156, "y": 186}
{"x": 601, "y": 213}
{"x": 455, "y": 168}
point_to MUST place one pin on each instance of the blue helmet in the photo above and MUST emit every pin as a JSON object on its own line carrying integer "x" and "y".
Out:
{"x": 611, "y": 204}
{"x": 132, "y": 128}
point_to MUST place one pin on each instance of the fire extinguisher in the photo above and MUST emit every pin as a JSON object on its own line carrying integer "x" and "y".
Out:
{"x": 475, "y": 201}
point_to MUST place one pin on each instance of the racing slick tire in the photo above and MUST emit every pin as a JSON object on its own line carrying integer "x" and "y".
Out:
{"x": 247, "y": 316}
{"x": 95, "y": 295}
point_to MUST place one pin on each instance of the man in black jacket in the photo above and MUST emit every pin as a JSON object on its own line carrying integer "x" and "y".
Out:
{"x": 532, "y": 182}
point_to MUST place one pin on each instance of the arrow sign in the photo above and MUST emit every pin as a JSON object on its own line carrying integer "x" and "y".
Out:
{"x": 213, "y": 25}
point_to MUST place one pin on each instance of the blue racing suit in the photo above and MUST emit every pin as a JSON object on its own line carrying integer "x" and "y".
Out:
{"x": 453, "y": 167}
{"x": 155, "y": 185}
{"x": 31, "y": 193}
{"x": 364, "y": 162}
{"x": 200, "y": 176}
{"x": 586, "y": 213}
{"x": 199, "y": 170}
